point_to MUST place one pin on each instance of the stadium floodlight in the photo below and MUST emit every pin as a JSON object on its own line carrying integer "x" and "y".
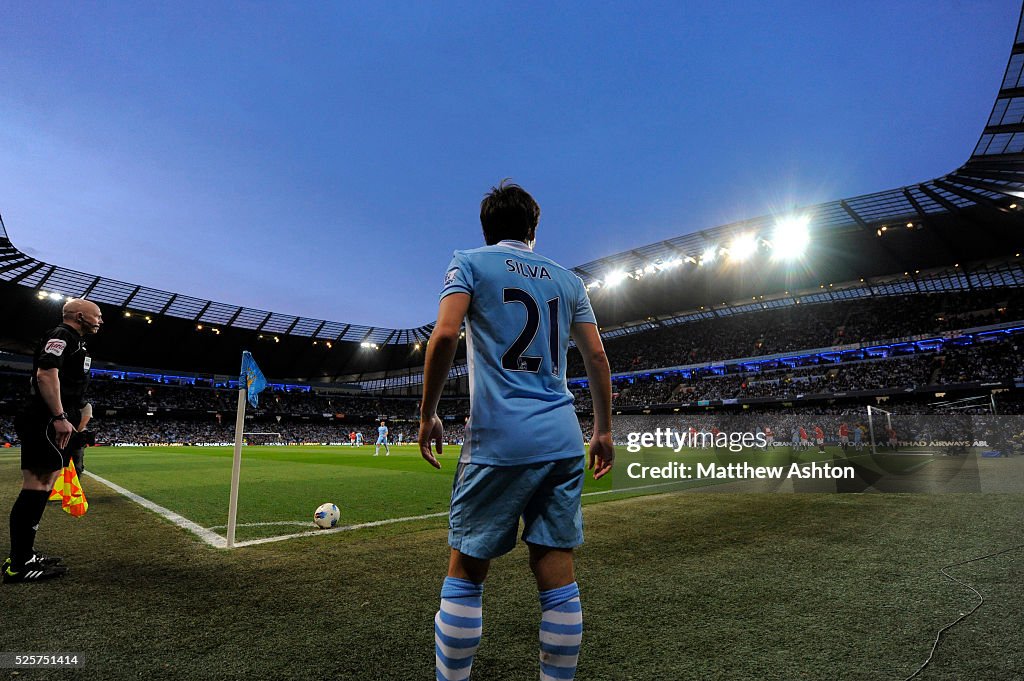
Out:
{"x": 650, "y": 269}
{"x": 615, "y": 278}
{"x": 709, "y": 255}
{"x": 742, "y": 247}
{"x": 790, "y": 239}
{"x": 41, "y": 295}
{"x": 55, "y": 296}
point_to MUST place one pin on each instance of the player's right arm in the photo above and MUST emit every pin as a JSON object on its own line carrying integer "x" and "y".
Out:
{"x": 599, "y": 375}
{"x": 48, "y": 381}
{"x": 444, "y": 341}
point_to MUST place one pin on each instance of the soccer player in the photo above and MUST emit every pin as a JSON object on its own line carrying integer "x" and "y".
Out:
{"x": 858, "y": 435}
{"x": 890, "y": 434}
{"x": 844, "y": 436}
{"x": 352, "y": 438}
{"x": 523, "y": 454}
{"x": 804, "y": 443}
{"x": 819, "y": 439}
{"x": 382, "y": 439}
{"x": 359, "y": 439}
{"x": 60, "y": 376}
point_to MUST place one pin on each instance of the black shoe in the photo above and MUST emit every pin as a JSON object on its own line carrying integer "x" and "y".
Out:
{"x": 31, "y": 572}
{"x": 44, "y": 560}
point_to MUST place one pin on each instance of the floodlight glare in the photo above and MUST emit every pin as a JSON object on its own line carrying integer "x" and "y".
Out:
{"x": 742, "y": 247}
{"x": 55, "y": 296}
{"x": 790, "y": 238}
{"x": 614, "y": 278}
{"x": 708, "y": 255}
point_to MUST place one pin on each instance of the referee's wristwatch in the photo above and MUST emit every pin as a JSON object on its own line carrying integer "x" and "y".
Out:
{"x": 63, "y": 416}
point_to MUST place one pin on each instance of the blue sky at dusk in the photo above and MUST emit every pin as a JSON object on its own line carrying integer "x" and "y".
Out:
{"x": 324, "y": 159}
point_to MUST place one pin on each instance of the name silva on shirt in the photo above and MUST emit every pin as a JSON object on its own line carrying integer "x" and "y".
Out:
{"x": 527, "y": 270}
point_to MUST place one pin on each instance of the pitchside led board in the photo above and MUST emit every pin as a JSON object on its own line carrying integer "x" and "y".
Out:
{"x": 877, "y": 452}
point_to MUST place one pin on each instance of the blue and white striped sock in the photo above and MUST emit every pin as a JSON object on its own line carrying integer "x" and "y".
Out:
{"x": 561, "y": 632}
{"x": 457, "y": 628}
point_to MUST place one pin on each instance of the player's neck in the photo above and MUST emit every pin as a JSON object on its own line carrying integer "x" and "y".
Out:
{"x": 515, "y": 243}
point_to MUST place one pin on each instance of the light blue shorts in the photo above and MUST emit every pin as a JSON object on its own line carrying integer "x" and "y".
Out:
{"x": 488, "y": 501}
{"x": 381, "y": 441}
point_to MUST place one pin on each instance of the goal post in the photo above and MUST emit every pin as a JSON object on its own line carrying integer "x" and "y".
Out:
{"x": 879, "y": 420}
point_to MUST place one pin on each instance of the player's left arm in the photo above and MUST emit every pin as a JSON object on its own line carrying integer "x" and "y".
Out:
{"x": 441, "y": 347}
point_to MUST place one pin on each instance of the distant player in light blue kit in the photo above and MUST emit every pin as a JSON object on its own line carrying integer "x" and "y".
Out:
{"x": 359, "y": 439}
{"x": 382, "y": 439}
{"x": 523, "y": 453}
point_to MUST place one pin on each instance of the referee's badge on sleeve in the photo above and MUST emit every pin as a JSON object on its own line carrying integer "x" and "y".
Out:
{"x": 55, "y": 346}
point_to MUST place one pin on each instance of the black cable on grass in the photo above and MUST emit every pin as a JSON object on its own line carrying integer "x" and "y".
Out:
{"x": 961, "y": 618}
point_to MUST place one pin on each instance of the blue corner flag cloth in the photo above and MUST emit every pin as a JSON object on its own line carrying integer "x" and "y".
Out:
{"x": 252, "y": 378}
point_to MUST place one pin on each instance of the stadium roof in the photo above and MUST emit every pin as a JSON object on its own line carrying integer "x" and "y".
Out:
{"x": 972, "y": 215}
{"x": 981, "y": 201}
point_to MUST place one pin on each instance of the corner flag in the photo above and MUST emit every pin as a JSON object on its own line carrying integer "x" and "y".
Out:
{"x": 252, "y": 378}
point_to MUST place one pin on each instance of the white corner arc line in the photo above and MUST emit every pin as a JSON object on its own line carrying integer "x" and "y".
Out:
{"x": 211, "y": 538}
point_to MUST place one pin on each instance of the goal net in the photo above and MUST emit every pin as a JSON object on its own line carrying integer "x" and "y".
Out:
{"x": 258, "y": 439}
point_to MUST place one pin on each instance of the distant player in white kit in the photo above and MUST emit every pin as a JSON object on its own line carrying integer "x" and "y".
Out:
{"x": 382, "y": 439}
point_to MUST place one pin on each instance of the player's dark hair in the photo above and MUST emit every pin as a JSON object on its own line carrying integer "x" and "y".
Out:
{"x": 508, "y": 212}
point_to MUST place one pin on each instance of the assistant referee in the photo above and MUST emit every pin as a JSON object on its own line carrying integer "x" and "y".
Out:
{"x": 60, "y": 376}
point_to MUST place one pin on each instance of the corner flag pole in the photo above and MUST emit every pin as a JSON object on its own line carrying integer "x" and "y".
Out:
{"x": 236, "y": 467}
{"x": 251, "y": 382}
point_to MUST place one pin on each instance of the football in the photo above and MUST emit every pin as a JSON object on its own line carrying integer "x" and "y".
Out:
{"x": 326, "y": 516}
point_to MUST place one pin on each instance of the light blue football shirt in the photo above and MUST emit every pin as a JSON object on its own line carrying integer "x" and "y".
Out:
{"x": 382, "y": 431}
{"x": 517, "y": 336}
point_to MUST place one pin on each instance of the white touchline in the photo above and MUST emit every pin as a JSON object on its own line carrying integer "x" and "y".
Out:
{"x": 211, "y": 538}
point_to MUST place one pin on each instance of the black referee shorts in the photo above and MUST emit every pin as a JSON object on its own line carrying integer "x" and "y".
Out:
{"x": 39, "y": 450}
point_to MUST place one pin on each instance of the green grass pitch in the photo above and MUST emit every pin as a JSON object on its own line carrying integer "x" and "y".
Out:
{"x": 675, "y": 586}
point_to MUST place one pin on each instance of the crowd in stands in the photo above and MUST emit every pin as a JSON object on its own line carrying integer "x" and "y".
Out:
{"x": 799, "y": 327}
{"x": 146, "y": 410}
{"x": 994, "y": 361}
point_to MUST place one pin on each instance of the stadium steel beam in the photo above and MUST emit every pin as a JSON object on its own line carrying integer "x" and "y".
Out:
{"x": 913, "y": 202}
{"x": 167, "y": 305}
{"x": 343, "y": 332}
{"x": 291, "y": 326}
{"x": 88, "y": 289}
{"x": 29, "y": 272}
{"x": 131, "y": 296}
{"x": 233, "y": 317}
{"x": 855, "y": 215}
{"x": 264, "y": 322}
{"x": 942, "y": 201}
{"x": 323, "y": 322}
{"x": 202, "y": 311}
{"x": 993, "y": 173}
{"x": 977, "y": 198}
{"x": 15, "y": 264}
{"x": 987, "y": 186}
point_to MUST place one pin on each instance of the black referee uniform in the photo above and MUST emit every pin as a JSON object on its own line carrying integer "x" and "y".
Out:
{"x": 63, "y": 349}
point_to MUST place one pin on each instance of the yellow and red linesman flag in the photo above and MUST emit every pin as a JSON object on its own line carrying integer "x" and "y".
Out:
{"x": 69, "y": 491}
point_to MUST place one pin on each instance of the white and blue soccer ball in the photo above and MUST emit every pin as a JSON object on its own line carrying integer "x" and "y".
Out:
{"x": 326, "y": 516}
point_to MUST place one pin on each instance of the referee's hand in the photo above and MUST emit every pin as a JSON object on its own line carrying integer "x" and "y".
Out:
{"x": 62, "y": 430}
{"x": 431, "y": 429}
